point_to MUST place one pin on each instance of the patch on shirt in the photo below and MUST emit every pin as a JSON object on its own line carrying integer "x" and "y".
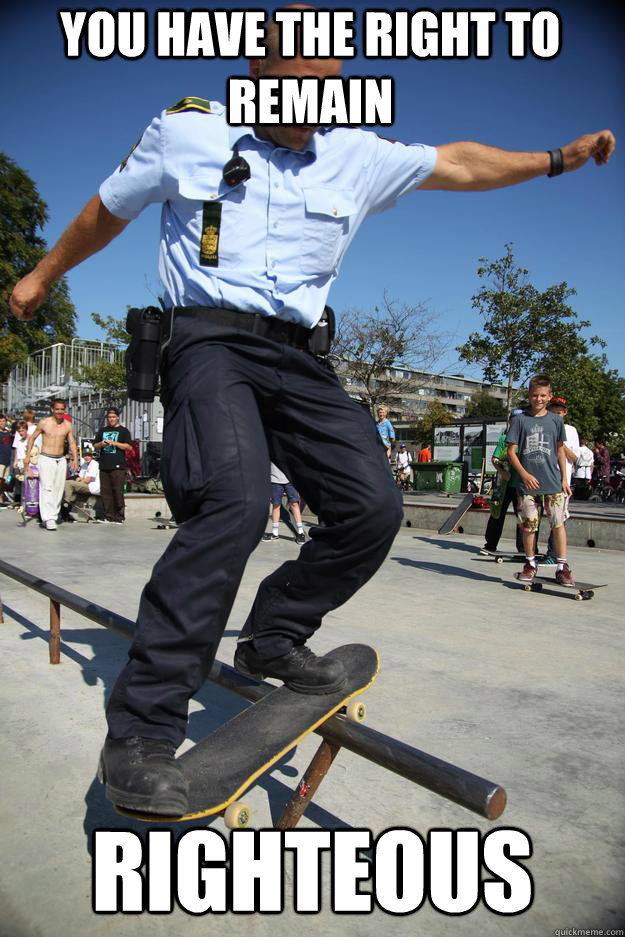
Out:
{"x": 209, "y": 241}
{"x": 134, "y": 146}
{"x": 190, "y": 104}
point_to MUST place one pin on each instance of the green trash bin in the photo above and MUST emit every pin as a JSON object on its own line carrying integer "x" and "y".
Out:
{"x": 438, "y": 476}
{"x": 452, "y": 477}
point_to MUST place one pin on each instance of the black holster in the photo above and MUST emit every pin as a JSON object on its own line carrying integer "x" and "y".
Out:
{"x": 322, "y": 336}
{"x": 143, "y": 355}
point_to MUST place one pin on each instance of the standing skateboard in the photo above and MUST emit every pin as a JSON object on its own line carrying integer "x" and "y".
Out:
{"x": 580, "y": 591}
{"x": 456, "y": 515}
{"x": 221, "y": 767}
{"x": 164, "y": 523}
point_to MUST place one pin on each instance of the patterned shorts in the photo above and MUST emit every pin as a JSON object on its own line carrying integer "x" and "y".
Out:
{"x": 553, "y": 506}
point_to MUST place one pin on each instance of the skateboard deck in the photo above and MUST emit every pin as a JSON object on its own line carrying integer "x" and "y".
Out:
{"x": 221, "y": 767}
{"x": 164, "y": 523}
{"x": 456, "y": 515}
{"x": 85, "y": 513}
{"x": 580, "y": 591}
{"x": 502, "y": 556}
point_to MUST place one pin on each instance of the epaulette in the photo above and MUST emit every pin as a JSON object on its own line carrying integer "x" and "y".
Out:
{"x": 190, "y": 104}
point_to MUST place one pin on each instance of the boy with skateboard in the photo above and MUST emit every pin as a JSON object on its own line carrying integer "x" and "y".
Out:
{"x": 507, "y": 481}
{"x": 536, "y": 441}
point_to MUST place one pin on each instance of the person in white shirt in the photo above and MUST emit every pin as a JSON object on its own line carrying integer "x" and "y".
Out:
{"x": 28, "y": 417}
{"x": 558, "y": 405}
{"x": 582, "y": 471}
{"x": 404, "y": 461}
{"x": 87, "y": 483}
{"x": 585, "y": 461}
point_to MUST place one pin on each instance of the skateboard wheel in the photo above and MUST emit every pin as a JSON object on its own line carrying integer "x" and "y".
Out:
{"x": 237, "y": 816}
{"x": 356, "y": 711}
{"x": 579, "y": 596}
{"x": 499, "y": 559}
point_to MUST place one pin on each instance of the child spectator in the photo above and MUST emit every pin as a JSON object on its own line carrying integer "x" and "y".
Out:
{"x": 280, "y": 485}
{"x": 6, "y": 446}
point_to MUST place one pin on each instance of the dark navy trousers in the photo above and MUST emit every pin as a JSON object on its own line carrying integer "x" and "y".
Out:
{"x": 233, "y": 401}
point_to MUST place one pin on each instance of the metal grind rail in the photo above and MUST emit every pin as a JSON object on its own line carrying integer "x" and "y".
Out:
{"x": 469, "y": 790}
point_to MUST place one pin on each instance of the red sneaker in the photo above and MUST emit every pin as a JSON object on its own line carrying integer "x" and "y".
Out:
{"x": 564, "y": 576}
{"x": 527, "y": 573}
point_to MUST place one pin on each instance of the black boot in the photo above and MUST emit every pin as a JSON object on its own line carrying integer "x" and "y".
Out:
{"x": 300, "y": 669}
{"x": 143, "y": 775}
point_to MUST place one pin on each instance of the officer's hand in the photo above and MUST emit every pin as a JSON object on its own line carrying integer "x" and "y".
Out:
{"x": 28, "y": 294}
{"x": 598, "y": 145}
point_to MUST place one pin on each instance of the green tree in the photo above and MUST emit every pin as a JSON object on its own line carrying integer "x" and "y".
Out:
{"x": 521, "y": 324}
{"x": 483, "y": 406}
{"x": 108, "y": 376}
{"x": 22, "y": 214}
{"x": 435, "y": 415}
{"x": 395, "y": 337}
{"x": 595, "y": 393}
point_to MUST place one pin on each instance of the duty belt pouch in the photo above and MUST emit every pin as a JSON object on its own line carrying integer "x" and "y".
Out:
{"x": 143, "y": 354}
{"x": 322, "y": 335}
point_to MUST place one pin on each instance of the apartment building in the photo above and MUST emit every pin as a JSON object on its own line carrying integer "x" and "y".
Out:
{"x": 408, "y": 393}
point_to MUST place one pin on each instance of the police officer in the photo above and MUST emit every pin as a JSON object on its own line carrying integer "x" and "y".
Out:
{"x": 247, "y": 259}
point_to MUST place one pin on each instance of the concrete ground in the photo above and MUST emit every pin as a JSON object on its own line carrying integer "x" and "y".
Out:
{"x": 524, "y": 689}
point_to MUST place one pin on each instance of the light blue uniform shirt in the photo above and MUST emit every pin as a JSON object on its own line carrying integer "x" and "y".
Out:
{"x": 283, "y": 232}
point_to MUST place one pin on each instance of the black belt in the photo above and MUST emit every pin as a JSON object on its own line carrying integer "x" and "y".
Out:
{"x": 287, "y": 333}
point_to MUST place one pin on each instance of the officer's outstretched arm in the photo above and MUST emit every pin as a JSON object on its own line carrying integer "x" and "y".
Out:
{"x": 88, "y": 233}
{"x": 473, "y": 167}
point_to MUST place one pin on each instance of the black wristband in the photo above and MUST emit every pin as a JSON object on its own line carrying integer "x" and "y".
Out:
{"x": 557, "y": 162}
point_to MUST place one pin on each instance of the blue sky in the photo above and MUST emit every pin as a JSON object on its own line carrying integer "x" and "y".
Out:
{"x": 69, "y": 123}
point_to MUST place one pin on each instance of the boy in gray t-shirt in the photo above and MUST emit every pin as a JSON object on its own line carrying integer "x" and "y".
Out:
{"x": 535, "y": 449}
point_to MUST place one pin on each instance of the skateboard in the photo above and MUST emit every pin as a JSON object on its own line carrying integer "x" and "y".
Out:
{"x": 163, "y": 523}
{"x": 457, "y": 514}
{"x": 89, "y": 516}
{"x": 580, "y": 591}
{"x": 231, "y": 759}
{"x": 502, "y": 556}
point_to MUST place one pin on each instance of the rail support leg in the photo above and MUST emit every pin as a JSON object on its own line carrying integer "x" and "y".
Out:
{"x": 307, "y": 787}
{"x": 55, "y": 632}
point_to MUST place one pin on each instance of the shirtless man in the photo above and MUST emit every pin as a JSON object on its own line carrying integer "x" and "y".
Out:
{"x": 52, "y": 465}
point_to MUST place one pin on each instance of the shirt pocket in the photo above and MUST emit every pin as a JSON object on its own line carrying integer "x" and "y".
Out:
{"x": 328, "y": 212}
{"x": 213, "y": 216}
